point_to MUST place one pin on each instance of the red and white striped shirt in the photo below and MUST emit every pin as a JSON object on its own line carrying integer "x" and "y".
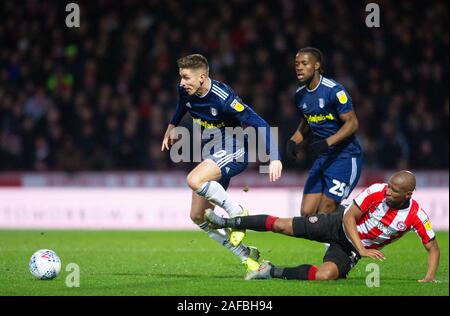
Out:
{"x": 380, "y": 224}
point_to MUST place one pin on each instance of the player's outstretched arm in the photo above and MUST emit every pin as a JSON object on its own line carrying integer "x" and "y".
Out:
{"x": 250, "y": 118}
{"x": 433, "y": 261}
{"x": 349, "y": 220}
{"x": 168, "y": 138}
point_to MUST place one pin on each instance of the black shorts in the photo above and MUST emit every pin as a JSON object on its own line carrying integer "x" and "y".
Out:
{"x": 345, "y": 259}
{"x": 328, "y": 228}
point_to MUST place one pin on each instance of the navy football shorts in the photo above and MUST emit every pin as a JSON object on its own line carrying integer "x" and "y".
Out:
{"x": 231, "y": 163}
{"x": 336, "y": 177}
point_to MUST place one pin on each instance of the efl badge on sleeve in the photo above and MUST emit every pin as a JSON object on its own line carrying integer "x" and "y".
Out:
{"x": 237, "y": 105}
{"x": 342, "y": 97}
{"x": 427, "y": 225}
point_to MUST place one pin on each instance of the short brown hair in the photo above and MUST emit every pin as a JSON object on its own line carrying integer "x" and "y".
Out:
{"x": 194, "y": 61}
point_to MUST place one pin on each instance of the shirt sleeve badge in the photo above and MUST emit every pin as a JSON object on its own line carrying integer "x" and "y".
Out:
{"x": 342, "y": 97}
{"x": 239, "y": 107}
{"x": 427, "y": 225}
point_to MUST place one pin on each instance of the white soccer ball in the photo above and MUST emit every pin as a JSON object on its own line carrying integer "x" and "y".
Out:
{"x": 45, "y": 264}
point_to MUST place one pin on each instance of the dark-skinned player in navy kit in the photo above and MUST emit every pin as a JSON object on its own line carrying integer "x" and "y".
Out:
{"x": 328, "y": 117}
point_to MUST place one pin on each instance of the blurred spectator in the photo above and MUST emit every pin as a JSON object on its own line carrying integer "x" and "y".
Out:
{"x": 99, "y": 97}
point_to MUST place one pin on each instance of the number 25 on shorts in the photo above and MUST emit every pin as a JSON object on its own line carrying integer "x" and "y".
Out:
{"x": 338, "y": 189}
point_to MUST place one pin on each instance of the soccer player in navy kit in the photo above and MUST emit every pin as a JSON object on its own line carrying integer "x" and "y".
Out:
{"x": 328, "y": 115}
{"x": 213, "y": 105}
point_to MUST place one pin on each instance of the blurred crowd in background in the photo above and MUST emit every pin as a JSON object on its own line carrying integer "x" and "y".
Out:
{"x": 99, "y": 97}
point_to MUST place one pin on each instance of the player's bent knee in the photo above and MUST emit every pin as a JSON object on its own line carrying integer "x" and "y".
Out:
{"x": 327, "y": 274}
{"x": 194, "y": 181}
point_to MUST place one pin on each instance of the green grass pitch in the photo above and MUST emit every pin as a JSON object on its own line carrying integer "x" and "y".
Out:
{"x": 184, "y": 263}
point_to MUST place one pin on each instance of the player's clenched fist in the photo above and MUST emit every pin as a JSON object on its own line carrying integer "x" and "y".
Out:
{"x": 291, "y": 150}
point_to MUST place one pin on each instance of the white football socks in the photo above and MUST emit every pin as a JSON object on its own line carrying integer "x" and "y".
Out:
{"x": 241, "y": 251}
{"x": 215, "y": 193}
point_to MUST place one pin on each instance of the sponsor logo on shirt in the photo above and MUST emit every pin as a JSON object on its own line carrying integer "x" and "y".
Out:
{"x": 319, "y": 118}
{"x": 206, "y": 124}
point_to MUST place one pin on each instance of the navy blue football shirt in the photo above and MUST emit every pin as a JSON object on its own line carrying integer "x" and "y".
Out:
{"x": 321, "y": 108}
{"x": 219, "y": 108}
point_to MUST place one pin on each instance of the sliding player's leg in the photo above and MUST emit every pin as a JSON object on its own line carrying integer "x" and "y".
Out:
{"x": 337, "y": 263}
{"x": 307, "y": 272}
{"x": 321, "y": 227}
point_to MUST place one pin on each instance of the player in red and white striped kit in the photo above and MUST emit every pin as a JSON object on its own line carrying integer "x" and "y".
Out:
{"x": 378, "y": 216}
